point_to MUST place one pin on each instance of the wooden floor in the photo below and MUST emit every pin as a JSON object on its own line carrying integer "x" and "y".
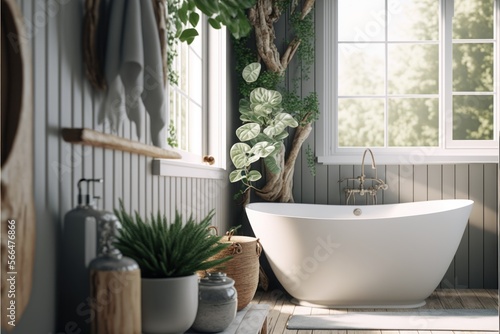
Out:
{"x": 281, "y": 309}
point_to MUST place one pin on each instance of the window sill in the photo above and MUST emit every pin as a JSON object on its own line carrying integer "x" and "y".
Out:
{"x": 179, "y": 168}
{"x": 418, "y": 156}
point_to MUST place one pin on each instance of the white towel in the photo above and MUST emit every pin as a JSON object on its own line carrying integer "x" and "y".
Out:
{"x": 133, "y": 68}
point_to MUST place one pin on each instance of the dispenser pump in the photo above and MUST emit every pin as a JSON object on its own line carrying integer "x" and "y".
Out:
{"x": 88, "y": 196}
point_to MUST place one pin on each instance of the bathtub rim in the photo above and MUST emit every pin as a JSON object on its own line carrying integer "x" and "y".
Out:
{"x": 458, "y": 204}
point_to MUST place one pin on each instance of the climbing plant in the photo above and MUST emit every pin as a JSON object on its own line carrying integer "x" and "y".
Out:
{"x": 263, "y": 16}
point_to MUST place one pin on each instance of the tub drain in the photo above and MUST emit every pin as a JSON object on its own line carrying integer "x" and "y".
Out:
{"x": 357, "y": 212}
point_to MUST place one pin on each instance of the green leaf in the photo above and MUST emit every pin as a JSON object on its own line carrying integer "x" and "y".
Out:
{"x": 252, "y": 158}
{"x": 208, "y": 7}
{"x": 165, "y": 249}
{"x": 236, "y": 175}
{"x": 194, "y": 18}
{"x": 286, "y": 119}
{"x": 248, "y": 131}
{"x": 262, "y": 149}
{"x": 244, "y": 106}
{"x": 238, "y": 154}
{"x": 279, "y": 124}
{"x": 254, "y": 175}
{"x": 191, "y": 5}
{"x": 214, "y": 23}
{"x": 265, "y": 96}
{"x": 281, "y": 136}
{"x": 188, "y": 35}
{"x": 261, "y": 109}
{"x": 271, "y": 164}
{"x": 182, "y": 13}
{"x": 251, "y": 72}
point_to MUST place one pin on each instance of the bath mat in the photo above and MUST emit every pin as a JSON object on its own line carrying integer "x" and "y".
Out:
{"x": 444, "y": 320}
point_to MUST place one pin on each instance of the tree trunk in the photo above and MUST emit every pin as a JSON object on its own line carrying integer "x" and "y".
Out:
{"x": 279, "y": 186}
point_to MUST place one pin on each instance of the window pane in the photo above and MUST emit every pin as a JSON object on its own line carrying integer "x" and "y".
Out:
{"x": 473, "y": 117}
{"x": 183, "y": 70}
{"x": 183, "y": 121}
{"x": 413, "y": 122}
{"x": 362, "y": 72}
{"x": 361, "y": 122}
{"x": 195, "y": 129}
{"x": 195, "y": 82}
{"x": 361, "y": 20}
{"x": 473, "y": 19}
{"x": 473, "y": 67}
{"x": 413, "y": 69}
{"x": 413, "y": 20}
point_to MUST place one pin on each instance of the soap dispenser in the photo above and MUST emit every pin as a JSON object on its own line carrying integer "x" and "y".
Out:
{"x": 79, "y": 248}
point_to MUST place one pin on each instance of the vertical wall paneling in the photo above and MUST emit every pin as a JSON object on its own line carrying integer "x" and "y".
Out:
{"x": 420, "y": 183}
{"x": 345, "y": 172}
{"x": 434, "y": 183}
{"x": 462, "y": 255}
{"x": 332, "y": 181}
{"x": 406, "y": 185}
{"x": 476, "y": 193}
{"x": 322, "y": 191}
{"x": 155, "y": 193}
{"x": 490, "y": 227}
{"x": 391, "y": 195}
{"x": 448, "y": 186}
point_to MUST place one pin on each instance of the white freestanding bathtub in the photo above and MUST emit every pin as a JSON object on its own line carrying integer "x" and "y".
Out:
{"x": 391, "y": 255}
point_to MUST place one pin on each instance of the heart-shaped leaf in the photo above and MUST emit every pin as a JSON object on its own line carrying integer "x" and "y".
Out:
{"x": 194, "y": 18}
{"x": 248, "y": 131}
{"x": 254, "y": 175}
{"x": 236, "y": 175}
{"x": 188, "y": 35}
{"x": 281, "y": 136}
{"x": 262, "y": 149}
{"x": 286, "y": 119}
{"x": 238, "y": 154}
{"x": 251, "y": 72}
{"x": 261, "y": 95}
{"x": 214, "y": 23}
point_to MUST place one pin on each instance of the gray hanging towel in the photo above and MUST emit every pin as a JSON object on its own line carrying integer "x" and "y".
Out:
{"x": 133, "y": 68}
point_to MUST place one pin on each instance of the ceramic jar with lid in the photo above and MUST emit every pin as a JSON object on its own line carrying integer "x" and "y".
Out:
{"x": 217, "y": 303}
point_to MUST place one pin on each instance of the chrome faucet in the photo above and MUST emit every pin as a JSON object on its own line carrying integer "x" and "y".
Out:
{"x": 377, "y": 184}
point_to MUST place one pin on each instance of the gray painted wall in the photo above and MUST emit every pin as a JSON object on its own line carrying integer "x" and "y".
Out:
{"x": 64, "y": 98}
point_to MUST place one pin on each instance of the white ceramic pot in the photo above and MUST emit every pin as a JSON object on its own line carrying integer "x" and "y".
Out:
{"x": 169, "y": 305}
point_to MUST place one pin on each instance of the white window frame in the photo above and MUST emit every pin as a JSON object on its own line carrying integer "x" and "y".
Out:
{"x": 214, "y": 115}
{"x": 448, "y": 151}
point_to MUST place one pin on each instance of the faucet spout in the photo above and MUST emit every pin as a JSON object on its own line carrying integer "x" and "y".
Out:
{"x": 374, "y": 166}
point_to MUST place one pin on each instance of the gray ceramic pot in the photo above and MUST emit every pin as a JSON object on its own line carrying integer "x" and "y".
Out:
{"x": 217, "y": 303}
{"x": 169, "y": 305}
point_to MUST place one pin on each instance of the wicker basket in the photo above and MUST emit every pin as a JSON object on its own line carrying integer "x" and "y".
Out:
{"x": 243, "y": 267}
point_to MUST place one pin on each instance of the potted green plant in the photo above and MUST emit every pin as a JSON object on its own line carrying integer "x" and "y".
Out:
{"x": 169, "y": 255}
{"x": 261, "y": 136}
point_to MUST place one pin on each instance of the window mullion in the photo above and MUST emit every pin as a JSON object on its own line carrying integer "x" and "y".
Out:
{"x": 496, "y": 65}
{"x": 446, "y": 81}
{"x": 386, "y": 112}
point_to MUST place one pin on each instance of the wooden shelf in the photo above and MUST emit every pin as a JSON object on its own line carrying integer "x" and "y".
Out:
{"x": 90, "y": 137}
{"x": 250, "y": 320}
